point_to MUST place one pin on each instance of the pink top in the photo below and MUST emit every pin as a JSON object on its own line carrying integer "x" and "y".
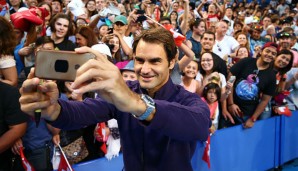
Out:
{"x": 192, "y": 87}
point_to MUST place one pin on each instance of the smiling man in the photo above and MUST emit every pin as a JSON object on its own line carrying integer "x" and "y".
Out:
{"x": 159, "y": 122}
{"x": 61, "y": 27}
{"x": 250, "y": 97}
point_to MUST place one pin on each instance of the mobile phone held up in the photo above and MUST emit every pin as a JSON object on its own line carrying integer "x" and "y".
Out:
{"x": 59, "y": 65}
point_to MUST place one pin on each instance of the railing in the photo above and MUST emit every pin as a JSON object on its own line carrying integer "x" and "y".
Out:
{"x": 270, "y": 143}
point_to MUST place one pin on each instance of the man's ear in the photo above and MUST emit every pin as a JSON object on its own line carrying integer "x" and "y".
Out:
{"x": 172, "y": 63}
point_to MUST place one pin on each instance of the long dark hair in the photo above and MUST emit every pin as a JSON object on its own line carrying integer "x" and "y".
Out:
{"x": 215, "y": 64}
{"x": 284, "y": 70}
{"x": 7, "y": 37}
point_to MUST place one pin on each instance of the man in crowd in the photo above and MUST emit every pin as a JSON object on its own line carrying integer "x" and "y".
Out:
{"x": 224, "y": 45}
{"x": 61, "y": 27}
{"x": 254, "y": 86}
{"x": 159, "y": 124}
{"x": 284, "y": 39}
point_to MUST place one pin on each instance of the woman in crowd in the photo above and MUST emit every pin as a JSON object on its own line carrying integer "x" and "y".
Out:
{"x": 8, "y": 70}
{"x": 91, "y": 8}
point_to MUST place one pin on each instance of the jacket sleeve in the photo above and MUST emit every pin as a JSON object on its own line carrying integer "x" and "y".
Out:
{"x": 75, "y": 114}
{"x": 186, "y": 121}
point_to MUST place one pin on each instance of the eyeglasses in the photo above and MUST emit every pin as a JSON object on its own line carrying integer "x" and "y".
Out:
{"x": 206, "y": 60}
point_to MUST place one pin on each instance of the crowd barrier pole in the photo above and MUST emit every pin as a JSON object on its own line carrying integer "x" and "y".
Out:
{"x": 270, "y": 143}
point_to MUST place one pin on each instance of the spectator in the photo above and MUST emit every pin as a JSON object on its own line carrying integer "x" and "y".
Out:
{"x": 152, "y": 69}
{"x": 224, "y": 45}
{"x": 255, "y": 39}
{"x": 61, "y": 28}
{"x": 8, "y": 70}
{"x": 13, "y": 123}
{"x": 246, "y": 105}
{"x": 188, "y": 79}
{"x": 284, "y": 40}
{"x": 198, "y": 27}
{"x": 15, "y": 5}
{"x": 56, "y": 7}
{"x": 208, "y": 41}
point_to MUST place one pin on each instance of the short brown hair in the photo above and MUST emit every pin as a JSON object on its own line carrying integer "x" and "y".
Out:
{"x": 159, "y": 36}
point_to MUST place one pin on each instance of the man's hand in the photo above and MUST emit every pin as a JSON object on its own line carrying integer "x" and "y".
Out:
{"x": 103, "y": 77}
{"x": 45, "y": 98}
{"x": 249, "y": 123}
{"x": 235, "y": 110}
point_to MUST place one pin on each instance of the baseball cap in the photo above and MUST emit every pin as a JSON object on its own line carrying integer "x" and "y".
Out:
{"x": 121, "y": 18}
{"x": 270, "y": 44}
{"x": 129, "y": 67}
{"x": 283, "y": 34}
{"x": 102, "y": 48}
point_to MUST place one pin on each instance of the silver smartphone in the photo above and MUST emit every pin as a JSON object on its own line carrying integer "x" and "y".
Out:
{"x": 59, "y": 65}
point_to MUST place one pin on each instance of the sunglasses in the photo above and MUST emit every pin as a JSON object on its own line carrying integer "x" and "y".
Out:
{"x": 285, "y": 35}
{"x": 258, "y": 27}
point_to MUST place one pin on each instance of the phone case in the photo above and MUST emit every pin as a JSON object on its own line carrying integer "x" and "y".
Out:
{"x": 59, "y": 65}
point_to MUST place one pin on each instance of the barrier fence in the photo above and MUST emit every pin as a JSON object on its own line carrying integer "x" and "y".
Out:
{"x": 270, "y": 143}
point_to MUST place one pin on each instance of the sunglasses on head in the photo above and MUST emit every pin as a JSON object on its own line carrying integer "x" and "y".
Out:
{"x": 258, "y": 27}
{"x": 285, "y": 35}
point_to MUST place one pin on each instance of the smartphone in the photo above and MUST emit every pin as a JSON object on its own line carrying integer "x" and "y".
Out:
{"x": 232, "y": 79}
{"x": 59, "y": 65}
{"x": 110, "y": 30}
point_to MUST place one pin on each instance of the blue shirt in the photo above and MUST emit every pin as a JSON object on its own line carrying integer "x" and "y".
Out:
{"x": 167, "y": 143}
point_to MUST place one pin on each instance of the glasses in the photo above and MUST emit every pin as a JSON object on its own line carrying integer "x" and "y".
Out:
{"x": 206, "y": 60}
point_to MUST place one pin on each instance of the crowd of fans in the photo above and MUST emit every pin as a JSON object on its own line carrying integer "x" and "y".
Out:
{"x": 241, "y": 57}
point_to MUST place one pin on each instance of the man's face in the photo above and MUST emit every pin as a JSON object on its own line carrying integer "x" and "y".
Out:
{"x": 268, "y": 54}
{"x": 100, "y": 4}
{"x": 152, "y": 66}
{"x": 222, "y": 29}
{"x": 61, "y": 27}
{"x": 266, "y": 22}
{"x": 56, "y": 7}
{"x": 285, "y": 42}
{"x": 32, "y": 3}
{"x": 207, "y": 42}
{"x": 256, "y": 34}
{"x": 229, "y": 12}
{"x": 120, "y": 27}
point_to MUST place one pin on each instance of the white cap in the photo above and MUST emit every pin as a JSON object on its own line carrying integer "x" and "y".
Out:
{"x": 102, "y": 48}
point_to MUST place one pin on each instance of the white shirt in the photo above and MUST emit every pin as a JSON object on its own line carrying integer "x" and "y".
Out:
{"x": 226, "y": 46}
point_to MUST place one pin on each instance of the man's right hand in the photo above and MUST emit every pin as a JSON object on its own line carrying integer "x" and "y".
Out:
{"x": 45, "y": 98}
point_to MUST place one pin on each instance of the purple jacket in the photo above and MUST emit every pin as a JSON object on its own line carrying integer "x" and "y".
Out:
{"x": 167, "y": 143}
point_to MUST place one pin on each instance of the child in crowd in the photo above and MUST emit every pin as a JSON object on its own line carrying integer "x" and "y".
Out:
{"x": 188, "y": 79}
{"x": 211, "y": 95}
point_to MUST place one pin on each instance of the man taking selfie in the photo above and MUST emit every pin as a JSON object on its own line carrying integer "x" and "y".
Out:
{"x": 159, "y": 122}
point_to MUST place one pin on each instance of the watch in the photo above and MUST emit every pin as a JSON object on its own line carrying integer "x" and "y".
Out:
{"x": 150, "y": 106}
